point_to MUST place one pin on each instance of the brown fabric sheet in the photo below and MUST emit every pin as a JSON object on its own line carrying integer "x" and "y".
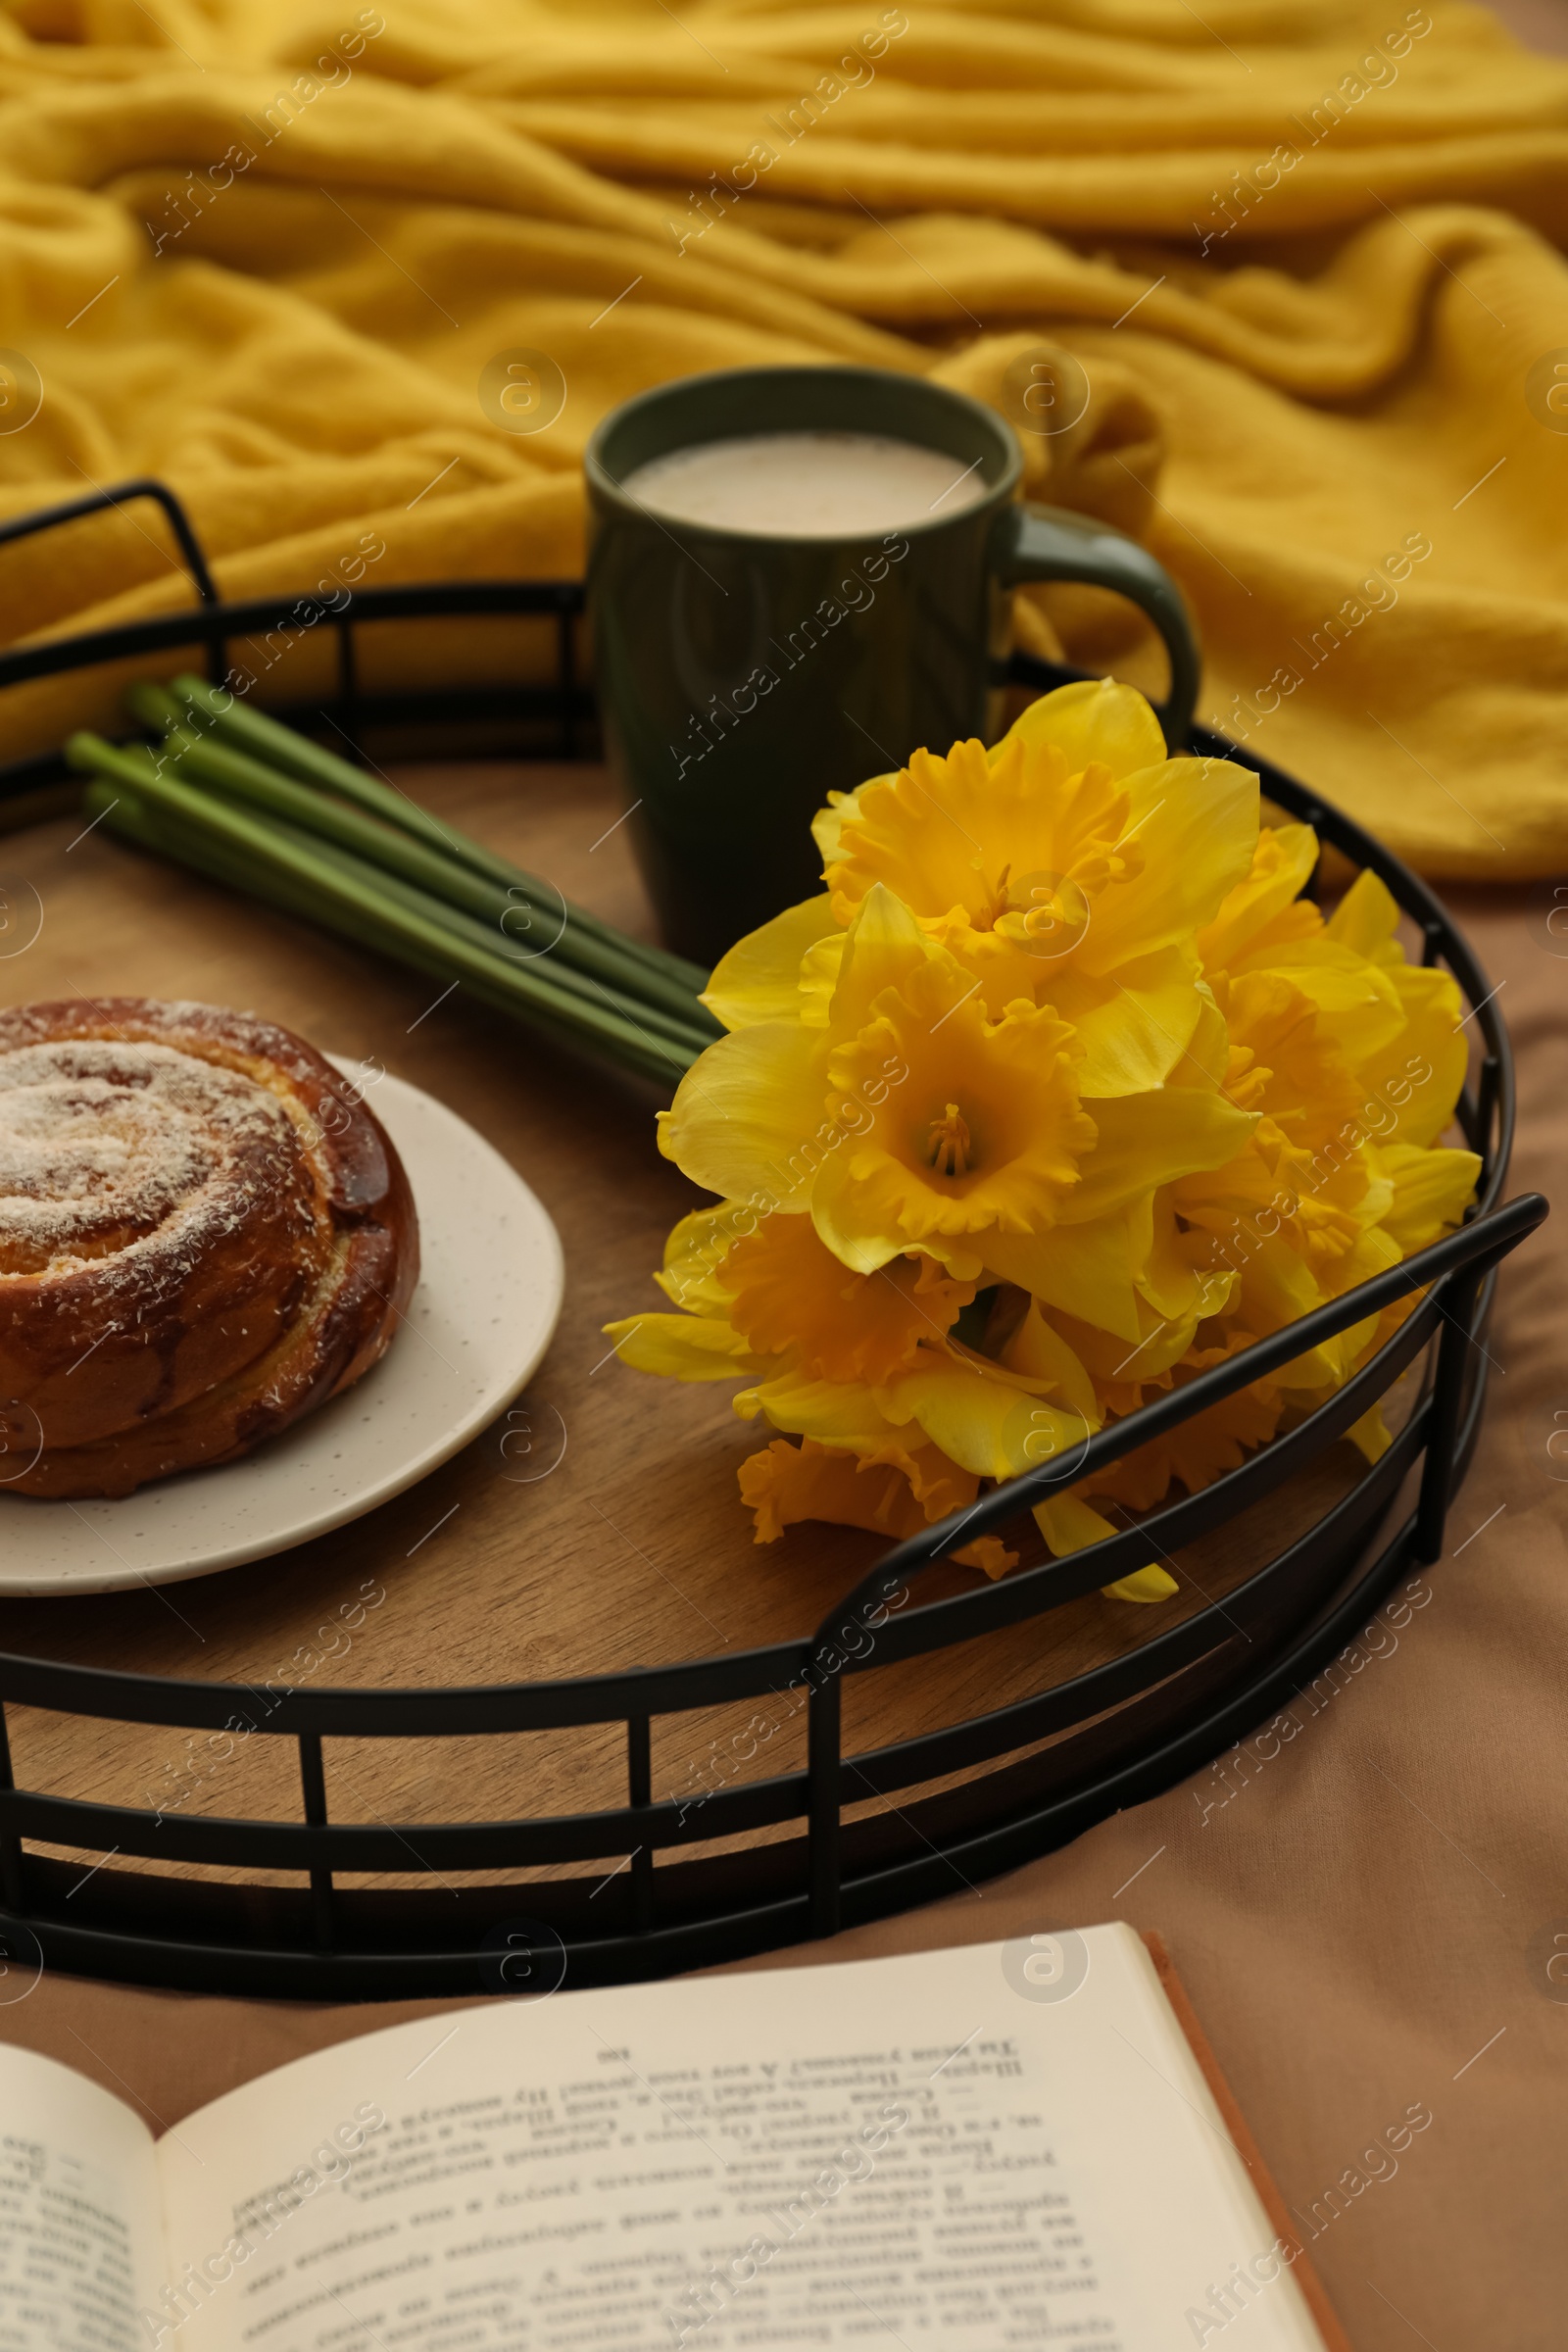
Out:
{"x": 1363, "y": 1923}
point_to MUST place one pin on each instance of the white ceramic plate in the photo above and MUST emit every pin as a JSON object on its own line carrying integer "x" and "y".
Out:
{"x": 483, "y": 1315}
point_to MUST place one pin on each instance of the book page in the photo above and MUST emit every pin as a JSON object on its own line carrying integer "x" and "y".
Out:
{"x": 81, "y": 2221}
{"x": 993, "y": 2146}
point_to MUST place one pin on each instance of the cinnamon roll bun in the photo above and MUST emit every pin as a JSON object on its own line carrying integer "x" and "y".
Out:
{"x": 203, "y": 1234}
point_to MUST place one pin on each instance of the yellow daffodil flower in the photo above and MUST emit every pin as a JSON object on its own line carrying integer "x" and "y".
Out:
{"x": 1070, "y": 865}
{"x": 1059, "y": 1093}
{"x": 910, "y": 1117}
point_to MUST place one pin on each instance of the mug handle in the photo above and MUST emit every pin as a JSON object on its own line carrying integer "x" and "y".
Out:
{"x": 1054, "y": 543}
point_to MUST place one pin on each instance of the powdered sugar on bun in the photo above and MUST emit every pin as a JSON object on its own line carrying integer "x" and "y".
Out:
{"x": 105, "y": 1146}
{"x": 204, "y": 1233}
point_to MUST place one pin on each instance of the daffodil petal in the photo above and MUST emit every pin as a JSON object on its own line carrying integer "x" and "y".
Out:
{"x": 1086, "y": 1270}
{"x": 1134, "y": 1025}
{"x": 885, "y": 948}
{"x": 1070, "y": 1524}
{"x": 1195, "y": 825}
{"x": 1149, "y": 1140}
{"x": 1278, "y": 1288}
{"x": 1280, "y": 867}
{"x": 820, "y": 966}
{"x": 1370, "y": 1435}
{"x": 1038, "y": 1351}
{"x": 990, "y": 1427}
{"x": 1366, "y": 917}
{"x": 833, "y": 1412}
{"x": 1094, "y": 718}
{"x": 1358, "y": 1002}
{"x": 750, "y": 1119}
{"x": 682, "y": 1347}
{"x": 790, "y": 1295}
{"x": 827, "y": 825}
{"x": 1419, "y": 1075}
{"x": 695, "y": 1252}
{"x": 760, "y": 978}
{"x": 862, "y": 1246}
{"x": 1432, "y": 1190}
{"x": 1149, "y": 1583}
{"x": 936, "y": 832}
{"x": 1205, "y": 1062}
{"x": 785, "y": 1484}
{"x": 1178, "y": 1276}
{"x": 989, "y": 1554}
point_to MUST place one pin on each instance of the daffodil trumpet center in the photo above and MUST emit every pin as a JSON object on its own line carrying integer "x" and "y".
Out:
{"x": 950, "y": 1145}
{"x": 1050, "y": 912}
{"x": 997, "y": 900}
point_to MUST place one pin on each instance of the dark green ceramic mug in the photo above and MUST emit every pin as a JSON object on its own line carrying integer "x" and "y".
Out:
{"x": 742, "y": 677}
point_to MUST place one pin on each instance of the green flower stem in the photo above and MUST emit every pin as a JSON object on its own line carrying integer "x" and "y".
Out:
{"x": 441, "y": 880}
{"x": 129, "y": 817}
{"x": 267, "y": 740}
{"x": 305, "y": 884}
{"x": 177, "y": 839}
{"x": 491, "y": 941}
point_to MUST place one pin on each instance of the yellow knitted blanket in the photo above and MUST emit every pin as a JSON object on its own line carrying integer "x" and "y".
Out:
{"x": 1305, "y": 254}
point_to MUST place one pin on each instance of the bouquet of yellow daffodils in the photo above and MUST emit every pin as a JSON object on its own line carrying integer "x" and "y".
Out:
{"x": 1058, "y": 1094}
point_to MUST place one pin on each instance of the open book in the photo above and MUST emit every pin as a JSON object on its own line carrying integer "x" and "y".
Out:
{"x": 1007, "y": 2145}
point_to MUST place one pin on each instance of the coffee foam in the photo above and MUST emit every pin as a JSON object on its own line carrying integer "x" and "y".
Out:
{"x": 814, "y": 485}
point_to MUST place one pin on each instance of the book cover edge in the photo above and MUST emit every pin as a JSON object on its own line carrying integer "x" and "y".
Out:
{"x": 1324, "y": 2317}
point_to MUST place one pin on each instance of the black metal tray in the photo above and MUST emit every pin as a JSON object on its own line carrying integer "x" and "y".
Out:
{"x": 1123, "y": 1731}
